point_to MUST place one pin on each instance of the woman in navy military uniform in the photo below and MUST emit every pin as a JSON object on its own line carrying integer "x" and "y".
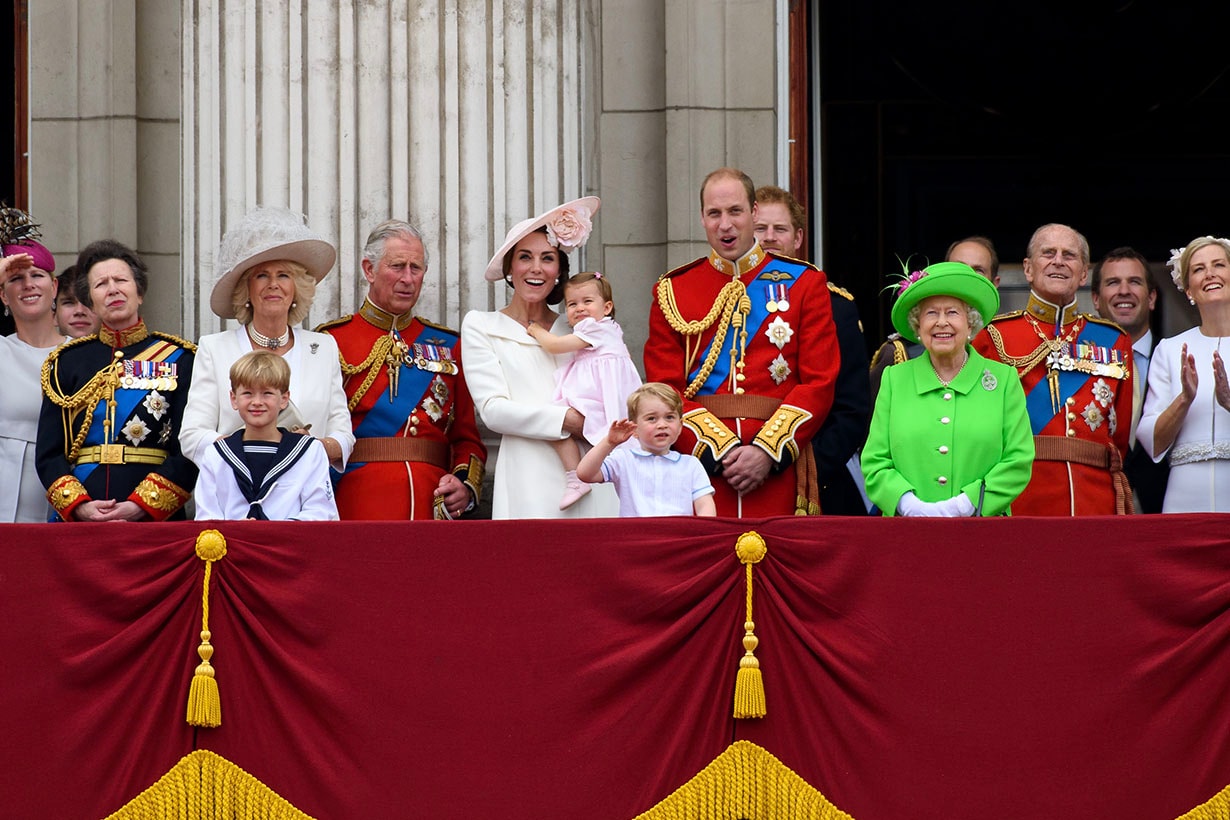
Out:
{"x": 108, "y": 434}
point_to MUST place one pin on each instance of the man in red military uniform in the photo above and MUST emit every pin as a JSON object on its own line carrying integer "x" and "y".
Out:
{"x": 748, "y": 338}
{"x": 1077, "y": 372}
{"x": 417, "y": 454}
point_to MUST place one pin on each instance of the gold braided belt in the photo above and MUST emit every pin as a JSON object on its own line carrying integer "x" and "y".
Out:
{"x": 120, "y": 454}
{"x": 397, "y": 448}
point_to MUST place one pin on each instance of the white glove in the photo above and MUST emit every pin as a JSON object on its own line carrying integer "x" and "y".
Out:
{"x": 911, "y": 507}
{"x": 957, "y": 507}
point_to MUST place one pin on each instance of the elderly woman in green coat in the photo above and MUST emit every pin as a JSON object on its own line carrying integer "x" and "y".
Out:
{"x": 949, "y": 436}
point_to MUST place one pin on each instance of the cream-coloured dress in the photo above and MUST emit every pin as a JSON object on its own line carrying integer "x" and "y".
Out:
{"x": 512, "y": 380}
{"x": 22, "y": 496}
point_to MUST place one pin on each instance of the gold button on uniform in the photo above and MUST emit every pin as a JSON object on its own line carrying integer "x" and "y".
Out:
{"x": 1071, "y": 433}
{"x": 414, "y": 431}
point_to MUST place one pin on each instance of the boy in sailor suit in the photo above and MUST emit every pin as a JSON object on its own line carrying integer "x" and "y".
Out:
{"x": 263, "y": 472}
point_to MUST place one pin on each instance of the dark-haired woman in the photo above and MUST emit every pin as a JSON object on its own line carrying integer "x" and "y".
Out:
{"x": 108, "y": 434}
{"x": 511, "y": 377}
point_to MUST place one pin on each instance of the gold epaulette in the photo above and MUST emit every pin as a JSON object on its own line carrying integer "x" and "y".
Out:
{"x": 681, "y": 268}
{"x": 840, "y": 291}
{"x": 1015, "y": 314}
{"x": 341, "y": 320}
{"x": 777, "y": 255}
{"x": 437, "y": 326}
{"x": 1089, "y": 317}
{"x": 171, "y": 337}
{"x": 70, "y": 343}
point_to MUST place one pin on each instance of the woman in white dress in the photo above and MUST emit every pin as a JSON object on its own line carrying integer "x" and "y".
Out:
{"x": 268, "y": 267}
{"x": 1187, "y": 410}
{"x": 28, "y": 291}
{"x": 512, "y": 379}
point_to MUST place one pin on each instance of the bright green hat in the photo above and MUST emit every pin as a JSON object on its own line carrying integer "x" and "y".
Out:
{"x": 943, "y": 279}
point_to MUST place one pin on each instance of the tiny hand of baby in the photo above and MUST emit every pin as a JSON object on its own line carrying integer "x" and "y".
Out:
{"x": 620, "y": 432}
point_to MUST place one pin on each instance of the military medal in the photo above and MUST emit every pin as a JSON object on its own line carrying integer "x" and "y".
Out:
{"x": 783, "y": 303}
{"x": 776, "y": 301}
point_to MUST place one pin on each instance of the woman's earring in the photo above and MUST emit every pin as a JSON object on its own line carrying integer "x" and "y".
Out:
{"x": 6, "y": 310}
{"x": 294, "y": 304}
{"x": 247, "y": 304}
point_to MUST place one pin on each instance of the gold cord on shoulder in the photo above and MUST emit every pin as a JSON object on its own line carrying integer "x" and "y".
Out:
{"x": 731, "y": 306}
{"x": 378, "y": 356}
{"x": 82, "y": 403}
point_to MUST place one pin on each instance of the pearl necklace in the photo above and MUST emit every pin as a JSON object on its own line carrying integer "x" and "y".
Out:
{"x": 947, "y": 382}
{"x": 270, "y": 342}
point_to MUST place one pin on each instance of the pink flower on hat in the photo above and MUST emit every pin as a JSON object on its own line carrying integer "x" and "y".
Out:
{"x": 909, "y": 279}
{"x": 569, "y": 229}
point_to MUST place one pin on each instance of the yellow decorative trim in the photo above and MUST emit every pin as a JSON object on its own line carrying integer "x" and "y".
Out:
{"x": 1217, "y": 808}
{"x": 744, "y": 264}
{"x": 65, "y": 493}
{"x": 204, "y": 700}
{"x": 206, "y": 786}
{"x": 749, "y": 685}
{"x": 383, "y": 319}
{"x": 160, "y": 496}
{"x": 123, "y": 338}
{"x": 900, "y": 354}
{"x": 121, "y": 454}
{"x": 745, "y": 781}
{"x": 840, "y": 291}
{"x": 710, "y": 433}
{"x": 472, "y": 476}
{"x": 777, "y": 434}
{"x": 1044, "y": 311}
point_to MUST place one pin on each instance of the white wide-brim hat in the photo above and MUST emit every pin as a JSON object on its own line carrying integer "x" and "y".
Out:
{"x": 264, "y": 235}
{"x": 568, "y": 227}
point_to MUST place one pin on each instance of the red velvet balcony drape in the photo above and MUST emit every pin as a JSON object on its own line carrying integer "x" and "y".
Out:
{"x": 936, "y": 669}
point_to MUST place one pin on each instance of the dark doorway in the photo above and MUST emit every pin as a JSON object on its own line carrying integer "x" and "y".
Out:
{"x": 13, "y": 103}
{"x": 988, "y": 118}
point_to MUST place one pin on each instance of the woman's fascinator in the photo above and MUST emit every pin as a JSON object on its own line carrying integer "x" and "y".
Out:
{"x": 19, "y": 234}
{"x": 266, "y": 234}
{"x": 1180, "y": 257}
{"x": 568, "y": 226}
{"x": 954, "y": 279}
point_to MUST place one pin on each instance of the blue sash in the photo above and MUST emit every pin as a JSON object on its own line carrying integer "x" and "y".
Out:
{"x": 1038, "y": 402}
{"x": 758, "y": 292}
{"x": 387, "y": 418}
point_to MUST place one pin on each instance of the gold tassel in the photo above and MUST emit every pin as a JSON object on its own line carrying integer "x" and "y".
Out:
{"x": 749, "y": 684}
{"x": 204, "y": 701}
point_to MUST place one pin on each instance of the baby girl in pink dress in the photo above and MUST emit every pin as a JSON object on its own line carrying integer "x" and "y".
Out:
{"x": 600, "y": 377}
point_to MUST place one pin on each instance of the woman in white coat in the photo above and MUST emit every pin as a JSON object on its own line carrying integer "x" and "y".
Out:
{"x": 269, "y": 265}
{"x": 512, "y": 379}
{"x": 28, "y": 291}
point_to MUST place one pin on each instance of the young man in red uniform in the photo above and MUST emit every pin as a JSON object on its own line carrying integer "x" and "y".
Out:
{"x": 1077, "y": 372}
{"x": 417, "y": 454}
{"x": 748, "y": 338}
